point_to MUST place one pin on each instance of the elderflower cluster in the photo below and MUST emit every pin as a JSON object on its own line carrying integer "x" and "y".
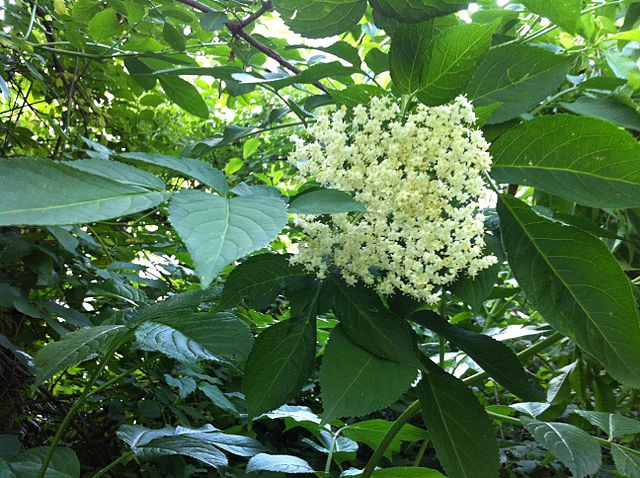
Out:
{"x": 421, "y": 181}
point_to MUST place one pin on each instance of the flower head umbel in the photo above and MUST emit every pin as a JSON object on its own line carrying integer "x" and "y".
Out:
{"x": 421, "y": 181}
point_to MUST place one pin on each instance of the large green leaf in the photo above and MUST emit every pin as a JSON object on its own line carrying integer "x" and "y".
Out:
{"x": 122, "y": 173}
{"x": 409, "y": 52}
{"x": 574, "y": 447}
{"x": 517, "y": 76}
{"x": 577, "y": 285}
{"x": 611, "y": 423}
{"x": 193, "y": 168}
{"x": 45, "y": 193}
{"x": 73, "y": 348}
{"x": 325, "y": 201}
{"x": 494, "y": 357}
{"x": 320, "y": 18}
{"x": 258, "y": 280}
{"x": 412, "y": 11}
{"x": 196, "y": 337}
{"x": 453, "y": 57}
{"x": 64, "y": 463}
{"x": 461, "y": 432}
{"x": 564, "y": 13}
{"x": 104, "y": 25}
{"x": 407, "y": 472}
{"x": 218, "y": 230}
{"x": 354, "y": 382}
{"x": 627, "y": 461}
{"x": 201, "y": 444}
{"x": 586, "y": 160}
{"x": 185, "y": 95}
{"x": 370, "y": 325}
{"x": 281, "y": 361}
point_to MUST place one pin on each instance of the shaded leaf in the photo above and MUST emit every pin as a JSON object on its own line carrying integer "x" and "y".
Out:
{"x": 185, "y": 95}
{"x": 607, "y": 109}
{"x": 612, "y": 424}
{"x": 64, "y": 463}
{"x": 325, "y": 201}
{"x": 320, "y": 18}
{"x": 412, "y": 11}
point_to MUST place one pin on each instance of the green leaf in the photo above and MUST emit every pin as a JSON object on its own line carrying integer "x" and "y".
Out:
{"x": 577, "y": 285}
{"x": 250, "y": 147}
{"x": 85, "y": 10}
{"x": 519, "y": 77}
{"x": 325, "y": 201}
{"x": 371, "y": 433}
{"x": 174, "y": 37}
{"x": 453, "y": 57}
{"x": 186, "y": 386}
{"x": 355, "y": 382}
{"x": 218, "y": 398}
{"x": 564, "y": 13}
{"x": 281, "y": 361}
{"x": 278, "y": 463}
{"x": 258, "y": 280}
{"x": 494, "y": 357}
{"x": 627, "y": 461}
{"x": 64, "y": 463}
{"x": 193, "y": 168}
{"x": 412, "y": 11}
{"x": 73, "y": 348}
{"x": 320, "y": 18}
{"x": 148, "y": 444}
{"x": 409, "y": 52}
{"x": 185, "y": 95}
{"x": 607, "y": 109}
{"x": 122, "y": 173}
{"x": 314, "y": 73}
{"x": 47, "y": 193}
{"x": 370, "y": 325}
{"x": 204, "y": 336}
{"x": 461, "y": 432}
{"x": 356, "y": 95}
{"x": 474, "y": 291}
{"x": 585, "y": 160}
{"x": 574, "y": 447}
{"x": 104, "y": 25}
{"x": 218, "y": 230}
{"x": 213, "y": 21}
{"x": 611, "y": 423}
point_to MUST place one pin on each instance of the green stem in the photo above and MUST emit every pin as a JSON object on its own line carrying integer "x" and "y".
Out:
{"x": 413, "y": 409}
{"x": 122, "y": 459}
{"x": 421, "y": 451}
{"x": 327, "y": 466}
{"x": 78, "y": 404}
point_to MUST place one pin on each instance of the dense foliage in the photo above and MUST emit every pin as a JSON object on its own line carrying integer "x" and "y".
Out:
{"x": 376, "y": 238}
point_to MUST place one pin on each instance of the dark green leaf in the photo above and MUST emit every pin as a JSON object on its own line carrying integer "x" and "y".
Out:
{"x": 585, "y": 160}
{"x": 461, "y": 432}
{"x": 474, "y": 291}
{"x": 611, "y": 423}
{"x": 64, "y": 463}
{"x": 564, "y": 13}
{"x": 627, "y": 461}
{"x": 355, "y": 382}
{"x": 371, "y": 432}
{"x": 174, "y": 37}
{"x": 412, "y": 11}
{"x": 213, "y": 21}
{"x": 258, "y": 280}
{"x": 370, "y": 325}
{"x": 575, "y": 282}
{"x": 494, "y": 357}
{"x": 606, "y": 109}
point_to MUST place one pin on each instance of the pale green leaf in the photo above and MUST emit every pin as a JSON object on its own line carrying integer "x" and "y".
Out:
{"x": 44, "y": 192}
{"x": 213, "y": 21}
{"x": 193, "y": 168}
{"x": 585, "y": 160}
{"x": 122, "y": 173}
{"x": 577, "y": 285}
{"x": 354, "y": 382}
{"x": 104, "y": 25}
{"x": 218, "y": 230}
{"x": 612, "y": 424}
{"x": 325, "y": 201}
{"x": 185, "y": 95}
{"x": 64, "y": 463}
{"x": 371, "y": 432}
{"x": 627, "y": 461}
{"x": 412, "y": 11}
{"x": 278, "y": 463}
{"x": 574, "y": 447}
{"x": 517, "y": 76}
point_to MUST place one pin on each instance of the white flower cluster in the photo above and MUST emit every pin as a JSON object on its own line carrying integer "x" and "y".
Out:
{"x": 421, "y": 181}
